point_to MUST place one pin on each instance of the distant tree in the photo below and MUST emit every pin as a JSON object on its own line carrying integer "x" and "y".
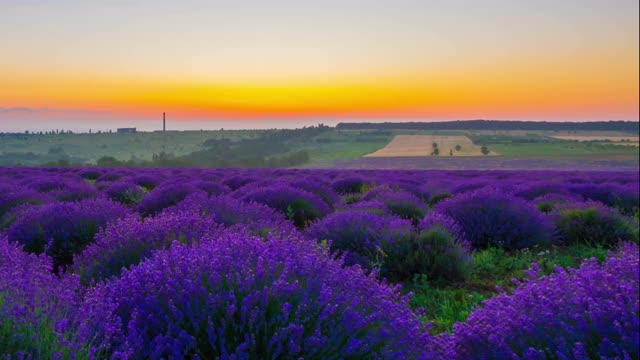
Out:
{"x": 458, "y": 147}
{"x": 108, "y": 161}
{"x": 450, "y": 152}
{"x": 435, "y": 145}
{"x": 485, "y": 150}
{"x": 435, "y": 152}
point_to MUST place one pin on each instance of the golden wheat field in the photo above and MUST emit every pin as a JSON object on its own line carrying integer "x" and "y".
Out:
{"x": 422, "y": 145}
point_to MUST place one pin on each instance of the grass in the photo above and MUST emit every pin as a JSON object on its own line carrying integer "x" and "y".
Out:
{"x": 446, "y": 304}
{"x": 36, "y": 150}
{"x": 562, "y": 149}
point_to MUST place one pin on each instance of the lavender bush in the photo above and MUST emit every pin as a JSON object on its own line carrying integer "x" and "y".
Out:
{"x": 297, "y": 205}
{"x": 128, "y": 241}
{"x": 37, "y": 318}
{"x": 165, "y": 195}
{"x": 258, "y": 218}
{"x": 238, "y": 296}
{"x": 490, "y": 217}
{"x": 362, "y": 235}
{"x": 593, "y": 223}
{"x": 588, "y": 313}
{"x": 62, "y": 229}
{"x": 125, "y": 192}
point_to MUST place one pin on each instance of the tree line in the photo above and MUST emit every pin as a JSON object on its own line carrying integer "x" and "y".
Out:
{"x": 497, "y": 125}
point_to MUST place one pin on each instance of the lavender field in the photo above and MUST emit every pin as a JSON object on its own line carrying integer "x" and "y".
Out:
{"x": 108, "y": 263}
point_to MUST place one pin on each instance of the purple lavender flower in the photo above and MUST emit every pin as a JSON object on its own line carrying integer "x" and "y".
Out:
{"x": 37, "y": 312}
{"x": 349, "y": 185}
{"x": 362, "y": 235}
{"x": 592, "y": 223}
{"x": 239, "y": 296}
{"x": 124, "y": 192}
{"x": 297, "y": 205}
{"x": 62, "y": 229}
{"x": 165, "y": 195}
{"x": 588, "y": 313}
{"x": 490, "y": 217}
{"x": 400, "y": 203}
{"x": 258, "y": 218}
{"x": 128, "y": 241}
{"x": 434, "y": 219}
{"x": 147, "y": 181}
{"x": 318, "y": 188}
{"x": 546, "y": 203}
{"x": 12, "y": 196}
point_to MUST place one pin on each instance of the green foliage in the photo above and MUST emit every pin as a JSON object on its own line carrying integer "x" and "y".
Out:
{"x": 594, "y": 225}
{"x": 433, "y": 253}
{"x": 484, "y": 150}
{"x": 38, "y": 340}
{"x": 433, "y": 200}
{"x": 443, "y": 306}
{"x": 446, "y": 303}
{"x": 108, "y": 161}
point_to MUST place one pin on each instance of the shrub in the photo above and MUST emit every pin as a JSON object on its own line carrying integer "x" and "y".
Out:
{"x": 592, "y": 223}
{"x": 128, "y": 241}
{"x": 400, "y": 203}
{"x": 90, "y": 174}
{"x": 547, "y": 203}
{"x": 530, "y": 191}
{"x": 361, "y": 235}
{"x": 165, "y": 195}
{"x": 48, "y": 183}
{"x": 36, "y": 307}
{"x": 626, "y": 199}
{"x": 62, "y": 229}
{"x": 588, "y": 313}
{"x": 258, "y": 218}
{"x": 146, "y": 181}
{"x": 436, "y": 198}
{"x": 372, "y": 206}
{"x": 241, "y": 297}
{"x": 434, "y": 253}
{"x": 125, "y": 192}
{"x": 236, "y": 182}
{"x": 74, "y": 191}
{"x": 489, "y": 217}
{"x": 318, "y": 188}
{"x": 299, "y": 206}
{"x": 435, "y": 219}
{"x": 349, "y": 185}
{"x": 13, "y": 196}
{"x": 109, "y": 177}
{"x": 404, "y": 205}
{"x": 211, "y": 188}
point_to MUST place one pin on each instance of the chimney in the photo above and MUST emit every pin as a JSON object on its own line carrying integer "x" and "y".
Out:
{"x": 164, "y": 122}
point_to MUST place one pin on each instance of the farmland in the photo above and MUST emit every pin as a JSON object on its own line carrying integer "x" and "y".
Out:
{"x": 429, "y": 145}
{"x": 299, "y": 263}
{"x": 315, "y": 146}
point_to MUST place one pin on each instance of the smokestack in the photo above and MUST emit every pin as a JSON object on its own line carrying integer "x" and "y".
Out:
{"x": 164, "y": 122}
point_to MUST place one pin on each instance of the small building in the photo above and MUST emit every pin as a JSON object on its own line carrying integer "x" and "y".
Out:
{"x": 126, "y": 130}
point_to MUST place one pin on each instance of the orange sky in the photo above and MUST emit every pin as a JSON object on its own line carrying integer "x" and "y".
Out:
{"x": 552, "y": 66}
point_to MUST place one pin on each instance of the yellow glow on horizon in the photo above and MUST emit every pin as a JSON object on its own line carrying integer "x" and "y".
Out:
{"x": 531, "y": 87}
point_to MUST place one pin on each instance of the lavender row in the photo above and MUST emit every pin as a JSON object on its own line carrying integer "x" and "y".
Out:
{"x": 175, "y": 263}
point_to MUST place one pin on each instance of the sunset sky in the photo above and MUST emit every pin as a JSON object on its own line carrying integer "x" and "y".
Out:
{"x": 212, "y": 62}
